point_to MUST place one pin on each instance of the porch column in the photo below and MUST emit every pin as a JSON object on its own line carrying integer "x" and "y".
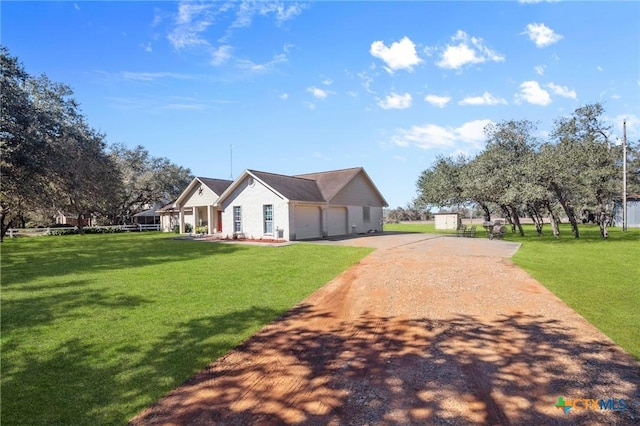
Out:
{"x": 324, "y": 220}
{"x": 181, "y": 214}
{"x": 210, "y": 220}
{"x": 195, "y": 218}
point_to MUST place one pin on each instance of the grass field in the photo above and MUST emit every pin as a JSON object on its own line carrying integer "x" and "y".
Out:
{"x": 97, "y": 327}
{"x": 599, "y": 279}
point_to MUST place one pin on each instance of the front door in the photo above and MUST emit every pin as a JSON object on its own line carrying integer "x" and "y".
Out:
{"x": 219, "y": 220}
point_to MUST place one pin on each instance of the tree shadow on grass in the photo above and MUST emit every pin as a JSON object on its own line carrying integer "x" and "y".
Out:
{"x": 48, "y": 257}
{"x": 78, "y": 301}
{"x": 72, "y": 384}
{"x": 311, "y": 368}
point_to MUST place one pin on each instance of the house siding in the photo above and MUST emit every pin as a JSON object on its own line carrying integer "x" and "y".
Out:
{"x": 252, "y": 199}
{"x": 358, "y": 192}
{"x": 208, "y": 197}
{"x": 356, "y": 221}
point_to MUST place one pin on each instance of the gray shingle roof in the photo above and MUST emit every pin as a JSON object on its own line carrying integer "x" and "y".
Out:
{"x": 329, "y": 183}
{"x": 292, "y": 187}
{"x": 216, "y": 185}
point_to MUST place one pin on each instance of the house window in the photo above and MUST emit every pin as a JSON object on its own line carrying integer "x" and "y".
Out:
{"x": 268, "y": 218}
{"x": 237, "y": 219}
{"x": 366, "y": 214}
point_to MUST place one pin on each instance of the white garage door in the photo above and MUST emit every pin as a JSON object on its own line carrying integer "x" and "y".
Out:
{"x": 337, "y": 218}
{"x": 307, "y": 222}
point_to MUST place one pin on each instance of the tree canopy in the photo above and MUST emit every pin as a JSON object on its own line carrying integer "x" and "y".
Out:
{"x": 53, "y": 160}
{"x": 577, "y": 169}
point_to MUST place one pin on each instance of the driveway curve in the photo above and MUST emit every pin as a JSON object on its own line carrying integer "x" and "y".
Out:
{"x": 425, "y": 330}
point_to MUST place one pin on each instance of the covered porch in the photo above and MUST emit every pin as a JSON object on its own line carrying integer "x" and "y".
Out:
{"x": 203, "y": 219}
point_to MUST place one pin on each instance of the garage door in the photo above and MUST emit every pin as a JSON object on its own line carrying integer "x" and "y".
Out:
{"x": 337, "y": 218}
{"x": 307, "y": 222}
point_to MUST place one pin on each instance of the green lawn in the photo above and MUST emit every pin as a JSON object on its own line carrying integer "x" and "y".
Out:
{"x": 97, "y": 327}
{"x": 600, "y": 279}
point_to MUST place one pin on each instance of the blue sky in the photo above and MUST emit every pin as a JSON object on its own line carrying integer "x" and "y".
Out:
{"x": 299, "y": 87}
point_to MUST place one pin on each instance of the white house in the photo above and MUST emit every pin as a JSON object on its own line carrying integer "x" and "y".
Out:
{"x": 315, "y": 205}
{"x": 197, "y": 206}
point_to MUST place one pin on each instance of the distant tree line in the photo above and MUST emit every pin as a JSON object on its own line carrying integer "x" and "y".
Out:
{"x": 406, "y": 214}
{"x": 578, "y": 169}
{"x": 52, "y": 160}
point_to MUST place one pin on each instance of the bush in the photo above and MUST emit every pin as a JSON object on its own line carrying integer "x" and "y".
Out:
{"x": 188, "y": 227}
{"x": 56, "y": 232}
{"x": 202, "y": 229}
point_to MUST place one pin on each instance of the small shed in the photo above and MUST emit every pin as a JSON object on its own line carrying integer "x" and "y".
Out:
{"x": 447, "y": 220}
{"x": 633, "y": 212}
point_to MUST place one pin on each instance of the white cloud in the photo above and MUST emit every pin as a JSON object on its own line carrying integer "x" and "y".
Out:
{"x": 472, "y": 132}
{"x": 400, "y": 55}
{"x": 466, "y": 50}
{"x": 439, "y": 101}
{"x": 152, "y": 76}
{"x": 193, "y": 28}
{"x": 321, "y": 156}
{"x": 284, "y": 96}
{"x": 221, "y": 55}
{"x": 157, "y": 18}
{"x": 327, "y": 82}
{"x": 562, "y": 91}
{"x": 395, "y": 101}
{"x": 366, "y": 82}
{"x": 633, "y": 126}
{"x": 281, "y": 10}
{"x": 162, "y": 103}
{"x": 486, "y": 99}
{"x": 531, "y": 92}
{"x": 430, "y": 136}
{"x": 318, "y": 93}
{"x": 539, "y": 69}
{"x": 248, "y": 65}
{"x": 192, "y": 20}
{"x": 599, "y": 68}
{"x": 542, "y": 35}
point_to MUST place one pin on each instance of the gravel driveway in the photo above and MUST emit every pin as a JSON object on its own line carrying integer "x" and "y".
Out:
{"x": 425, "y": 330}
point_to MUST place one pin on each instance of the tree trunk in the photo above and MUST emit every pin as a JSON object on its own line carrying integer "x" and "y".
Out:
{"x": 537, "y": 219}
{"x": 567, "y": 209}
{"x": 487, "y": 212}
{"x": 80, "y": 223}
{"x": 507, "y": 216}
{"x": 516, "y": 221}
{"x": 602, "y": 219}
{"x": 3, "y": 226}
{"x": 553, "y": 220}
